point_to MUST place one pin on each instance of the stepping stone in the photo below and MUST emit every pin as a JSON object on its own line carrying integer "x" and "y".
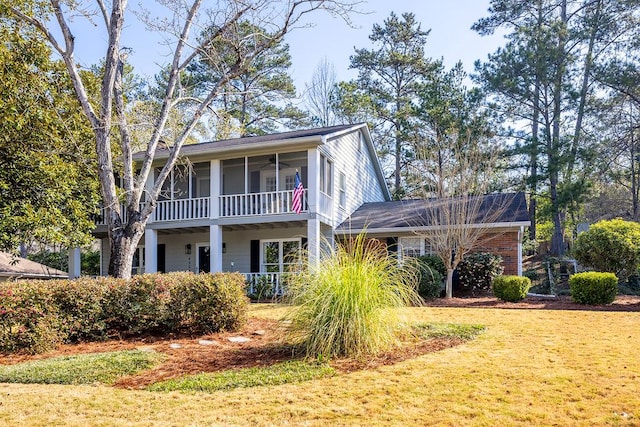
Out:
{"x": 175, "y": 345}
{"x": 208, "y": 342}
{"x": 259, "y": 332}
{"x": 239, "y": 339}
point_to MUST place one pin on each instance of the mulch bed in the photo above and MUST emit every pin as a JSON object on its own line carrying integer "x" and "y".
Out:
{"x": 266, "y": 347}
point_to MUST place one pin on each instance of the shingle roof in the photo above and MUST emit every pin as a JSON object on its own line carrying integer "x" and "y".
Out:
{"x": 20, "y": 267}
{"x": 501, "y": 208}
{"x": 249, "y": 140}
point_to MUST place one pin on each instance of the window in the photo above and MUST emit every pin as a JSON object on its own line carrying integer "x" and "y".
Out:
{"x": 279, "y": 255}
{"x": 270, "y": 183}
{"x": 360, "y": 142}
{"x": 326, "y": 174}
{"x": 414, "y": 246}
{"x": 137, "y": 266}
{"x": 343, "y": 190}
{"x": 289, "y": 182}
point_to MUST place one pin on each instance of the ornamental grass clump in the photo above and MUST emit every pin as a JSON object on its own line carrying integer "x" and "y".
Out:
{"x": 345, "y": 303}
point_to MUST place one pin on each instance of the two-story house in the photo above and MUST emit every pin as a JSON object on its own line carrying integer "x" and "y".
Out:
{"x": 229, "y": 207}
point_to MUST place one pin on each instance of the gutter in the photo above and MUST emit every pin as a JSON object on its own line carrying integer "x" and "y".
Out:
{"x": 414, "y": 229}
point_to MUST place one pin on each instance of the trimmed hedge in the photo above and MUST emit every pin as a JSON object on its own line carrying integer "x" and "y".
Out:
{"x": 593, "y": 288}
{"x": 35, "y": 316}
{"x": 511, "y": 288}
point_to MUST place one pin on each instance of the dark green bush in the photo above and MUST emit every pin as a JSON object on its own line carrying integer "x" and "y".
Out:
{"x": 206, "y": 303}
{"x": 610, "y": 246}
{"x": 430, "y": 280}
{"x": 476, "y": 271}
{"x": 593, "y": 288}
{"x": 139, "y": 305}
{"x": 511, "y": 288}
{"x": 37, "y": 315}
{"x": 434, "y": 262}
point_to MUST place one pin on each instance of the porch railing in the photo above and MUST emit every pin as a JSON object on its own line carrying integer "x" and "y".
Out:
{"x": 264, "y": 285}
{"x": 273, "y": 202}
{"x": 182, "y": 209}
{"x": 232, "y": 205}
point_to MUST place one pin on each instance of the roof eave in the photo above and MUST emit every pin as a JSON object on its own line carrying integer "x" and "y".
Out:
{"x": 419, "y": 229}
{"x": 195, "y": 150}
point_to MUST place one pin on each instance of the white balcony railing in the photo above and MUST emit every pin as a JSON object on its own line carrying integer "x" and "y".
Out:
{"x": 182, "y": 209}
{"x": 274, "y": 202}
{"x": 254, "y": 204}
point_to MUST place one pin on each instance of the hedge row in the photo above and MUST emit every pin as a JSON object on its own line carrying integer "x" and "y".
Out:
{"x": 35, "y": 316}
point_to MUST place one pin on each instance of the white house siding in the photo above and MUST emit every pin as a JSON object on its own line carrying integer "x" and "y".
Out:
{"x": 351, "y": 157}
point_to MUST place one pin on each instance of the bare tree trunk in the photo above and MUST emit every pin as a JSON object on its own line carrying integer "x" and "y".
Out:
{"x": 449, "y": 285}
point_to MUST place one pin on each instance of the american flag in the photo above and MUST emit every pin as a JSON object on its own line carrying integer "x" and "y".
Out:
{"x": 298, "y": 191}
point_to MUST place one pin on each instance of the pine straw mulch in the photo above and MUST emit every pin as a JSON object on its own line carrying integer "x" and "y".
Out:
{"x": 266, "y": 343}
{"x": 265, "y": 348}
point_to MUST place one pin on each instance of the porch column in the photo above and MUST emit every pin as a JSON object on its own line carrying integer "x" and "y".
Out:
{"x": 74, "y": 263}
{"x": 151, "y": 251}
{"x": 215, "y": 248}
{"x": 313, "y": 199}
{"x": 214, "y": 189}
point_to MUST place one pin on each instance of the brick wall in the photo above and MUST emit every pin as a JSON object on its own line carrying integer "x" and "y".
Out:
{"x": 504, "y": 244}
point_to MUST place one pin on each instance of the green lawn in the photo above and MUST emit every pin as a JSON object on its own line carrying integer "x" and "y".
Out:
{"x": 528, "y": 367}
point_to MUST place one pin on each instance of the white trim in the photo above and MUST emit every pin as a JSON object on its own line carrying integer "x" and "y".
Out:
{"x": 413, "y": 229}
{"x": 280, "y": 251}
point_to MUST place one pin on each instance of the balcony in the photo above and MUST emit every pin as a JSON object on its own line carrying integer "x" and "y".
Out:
{"x": 231, "y": 205}
{"x": 274, "y": 202}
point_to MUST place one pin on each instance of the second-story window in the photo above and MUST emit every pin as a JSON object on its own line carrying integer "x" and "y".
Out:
{"x": 326, "y": 174}
{"x": 343, "y": 190}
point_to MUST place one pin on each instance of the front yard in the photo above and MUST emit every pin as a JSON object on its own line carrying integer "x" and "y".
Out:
{"x": 529, "y": 367}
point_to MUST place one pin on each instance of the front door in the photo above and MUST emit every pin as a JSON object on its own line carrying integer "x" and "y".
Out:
{"x": 204, "y": 259}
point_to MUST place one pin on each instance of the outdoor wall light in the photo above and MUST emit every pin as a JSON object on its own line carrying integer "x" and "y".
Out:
{"x": 224, "y": 248}
{"x": 187, "y": 249}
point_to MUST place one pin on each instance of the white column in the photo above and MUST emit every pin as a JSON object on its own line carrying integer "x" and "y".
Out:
{"x": 215, "y": 188}
{"x": 151, "y": 251}
{"x": 74, "y": 263}
{"x": 215, "y": 248}
{"x": 313, "y": 198}
{"x": 520, "y": 236}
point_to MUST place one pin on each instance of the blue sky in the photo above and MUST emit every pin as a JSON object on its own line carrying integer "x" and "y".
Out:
{"x": 451, "y": 37}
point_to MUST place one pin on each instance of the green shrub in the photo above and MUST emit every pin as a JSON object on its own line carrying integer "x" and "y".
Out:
{"x": 511, "y": 288}
{"x": 430, "y": 280}
{"x": 139, "y": 305}
{"x": 79, "y": 307}
{"x": 476, "y": 271}
{"x": 205, "y": 303}
{"x": 344, "y": 304}
{"x": 610, "y": 246}
{"x": 26, "y": 322}
{"x": 37, "y": 315}
{"x": 593, "y": 288}
{"x": 434, "y": 262}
